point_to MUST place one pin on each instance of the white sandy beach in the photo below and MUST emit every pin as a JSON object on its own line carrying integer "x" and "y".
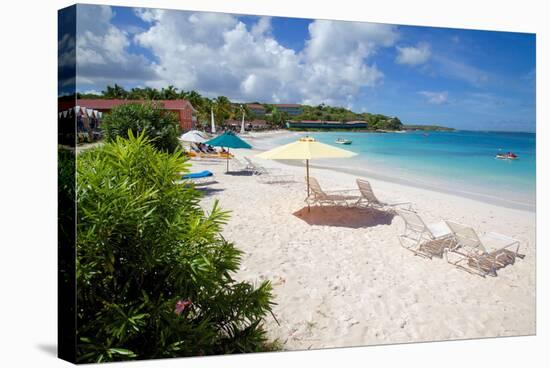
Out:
{"x": 341, "y": 278}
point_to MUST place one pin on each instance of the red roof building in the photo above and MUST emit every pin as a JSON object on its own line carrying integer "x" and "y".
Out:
{"x": 182, "y": 108}
{"x": 256, "y": 109}
{"x": 257, "y": 124}
{"x": 288, "y": 105}
{"x": 290, "y": 109}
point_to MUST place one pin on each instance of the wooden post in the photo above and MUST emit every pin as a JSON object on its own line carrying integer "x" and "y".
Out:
{"x": 227, "y": 170}
{"x": 307, "y": 176}
{"x": 307, "y": 180}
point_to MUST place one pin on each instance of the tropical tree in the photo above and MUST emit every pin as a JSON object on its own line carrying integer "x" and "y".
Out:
{"x": 169, "y": 93}
{"x": 115, "y": 92}
{"x": 151, "y": 93}
{"x": 136, "y": 94}
{"x": 159, "y": 125}
{"x": 154, "y": 274}
{"x": 194, "y": 98}
{"x": 223, "y": 110}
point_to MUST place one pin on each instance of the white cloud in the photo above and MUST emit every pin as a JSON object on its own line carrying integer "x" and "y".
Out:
{"x": 414, "y": 55}
{"x": 335, "y": 59}
{"x": 102, "y": 49}
{"x": 66, "y": 48}
{"x": 338, "y": 40}
{"x": 92, "y": 92}
{"x": 436, "y": 98}
{"x": 262, "y": 27}
{"x": 216, "y": 54}
{"x": 459, "y": 70}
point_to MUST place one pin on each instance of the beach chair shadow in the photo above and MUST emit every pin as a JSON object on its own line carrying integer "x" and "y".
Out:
{"x": 340, "y": 216}
{"x": 206, "y": 191}
{"x": 240, "y": 173}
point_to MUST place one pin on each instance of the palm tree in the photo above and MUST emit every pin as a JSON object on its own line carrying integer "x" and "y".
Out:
{"x": 194, "y": 98}
{"x": 136, "y": 94}
{"x": 202, "y": 105}
{"x": 115, "y": 92}
{"x": 169, "y": 93}
{"x": 222, "y": 109}
{"x": 151, "y": 93}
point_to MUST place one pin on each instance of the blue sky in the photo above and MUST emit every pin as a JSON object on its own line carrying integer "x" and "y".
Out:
{"x": 479, "y": 80}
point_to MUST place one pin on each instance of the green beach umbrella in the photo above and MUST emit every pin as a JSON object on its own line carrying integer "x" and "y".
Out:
{"x": 228, "y": 140}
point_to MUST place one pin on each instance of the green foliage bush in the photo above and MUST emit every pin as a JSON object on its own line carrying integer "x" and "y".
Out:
{"x": 384, "y": 122}
{"x": 154, "y": 274}
{"x": 159, "y": 125}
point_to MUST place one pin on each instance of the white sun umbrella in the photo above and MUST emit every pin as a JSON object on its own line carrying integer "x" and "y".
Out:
{"x": 242, "y": 123}
{"x": 193, "y": 136}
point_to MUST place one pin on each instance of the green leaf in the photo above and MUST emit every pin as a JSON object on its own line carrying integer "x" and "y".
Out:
{"x": 122, "y": 352}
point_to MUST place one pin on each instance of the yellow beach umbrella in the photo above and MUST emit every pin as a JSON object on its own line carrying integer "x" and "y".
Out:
{"x": 306, "y": 148}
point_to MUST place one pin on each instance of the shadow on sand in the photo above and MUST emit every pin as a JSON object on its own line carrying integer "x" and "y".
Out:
{"x": 206, "y": 191}
{"x": 207, "y": 161}
{"x": 344, "y": 216}
{"x": 239, "y": 173}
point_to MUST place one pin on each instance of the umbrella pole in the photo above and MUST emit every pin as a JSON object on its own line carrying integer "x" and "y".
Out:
{"x": 307, "y": 180}
{"x": 227, "y": 170}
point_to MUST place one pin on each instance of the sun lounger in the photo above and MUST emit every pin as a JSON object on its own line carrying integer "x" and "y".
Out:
{"x": 258, "y": 169}
{"x": 426, "y": 240}
{"x": 211, "y": 156}
{"x": 369, "y": 199}
{"x": 265, "y": 175}
{"x": 238, "y": 165}
{"x": 318, "y": 196}
{"x": 481, "y": 255}
{"x": 201, "y": 177}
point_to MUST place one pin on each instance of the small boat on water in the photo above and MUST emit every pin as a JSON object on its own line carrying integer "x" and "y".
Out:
{"x": 507, "y": 156}
{"x": 343, "y": 141}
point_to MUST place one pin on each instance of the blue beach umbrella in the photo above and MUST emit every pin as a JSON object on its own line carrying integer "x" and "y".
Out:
{"x": 228, "y": 140}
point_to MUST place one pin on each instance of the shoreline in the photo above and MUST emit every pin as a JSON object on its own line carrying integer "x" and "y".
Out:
{"x": 500, "y": 201}
{"x": 480, "y": 197}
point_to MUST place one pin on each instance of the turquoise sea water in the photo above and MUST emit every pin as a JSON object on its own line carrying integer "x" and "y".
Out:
{"x": 462, "y": 162}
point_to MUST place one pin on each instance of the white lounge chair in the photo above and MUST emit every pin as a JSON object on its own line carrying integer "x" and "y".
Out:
{"x": 265, "y": 175}
{"x": 318, "y": 196}
{"x": 369, "y": 199}
{"x": 197, "y": 178}
{"x": 238, "y": 165}
{"x": 426, "y": 240}
{"x": 481, "y": 255}
{"x": 258, "y": 169}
